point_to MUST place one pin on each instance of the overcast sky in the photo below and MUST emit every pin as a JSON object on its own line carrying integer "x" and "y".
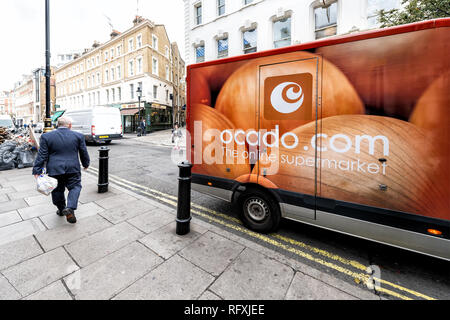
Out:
{"x": 74, "y": 25}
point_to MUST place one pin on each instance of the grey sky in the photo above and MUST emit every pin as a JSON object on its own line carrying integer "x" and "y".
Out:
{"x": 75, "y": 24}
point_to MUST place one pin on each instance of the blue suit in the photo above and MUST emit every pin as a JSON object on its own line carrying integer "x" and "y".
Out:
{"x": 58, "y": 153}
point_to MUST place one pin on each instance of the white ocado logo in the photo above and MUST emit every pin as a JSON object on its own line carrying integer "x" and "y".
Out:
{"x": 287, "y": 97}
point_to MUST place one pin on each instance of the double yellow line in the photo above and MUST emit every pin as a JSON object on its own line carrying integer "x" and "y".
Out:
{"x": 279, "y": 241}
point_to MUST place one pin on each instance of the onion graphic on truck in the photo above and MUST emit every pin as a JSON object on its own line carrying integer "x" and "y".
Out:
{"x": 351, "y": 135}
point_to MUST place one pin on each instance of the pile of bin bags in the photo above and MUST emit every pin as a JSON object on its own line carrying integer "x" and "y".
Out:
{"x": 16, "y": 155}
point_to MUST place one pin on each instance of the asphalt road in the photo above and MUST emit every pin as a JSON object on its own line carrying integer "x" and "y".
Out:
{"x": 398, "y": 274}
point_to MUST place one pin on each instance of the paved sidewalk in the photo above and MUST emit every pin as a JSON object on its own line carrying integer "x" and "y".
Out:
{"x": 160, "y": 138}
{"x": 124, "y": 246}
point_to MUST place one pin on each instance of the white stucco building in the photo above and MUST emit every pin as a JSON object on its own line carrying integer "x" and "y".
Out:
{"x": 222, "y": 28}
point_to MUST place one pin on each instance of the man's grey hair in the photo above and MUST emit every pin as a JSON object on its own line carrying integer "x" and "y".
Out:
{"x": 64, "y": 122}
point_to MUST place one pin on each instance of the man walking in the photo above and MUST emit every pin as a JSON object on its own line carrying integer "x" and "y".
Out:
{"x": 58, "y": 152}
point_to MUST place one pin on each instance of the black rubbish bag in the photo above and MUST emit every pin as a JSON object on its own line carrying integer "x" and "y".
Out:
{"x": 25, "y": 159}
{"x": 7, "y": 155}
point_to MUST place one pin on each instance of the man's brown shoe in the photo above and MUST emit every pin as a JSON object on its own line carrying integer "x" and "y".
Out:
{"x": 70, "y": 215}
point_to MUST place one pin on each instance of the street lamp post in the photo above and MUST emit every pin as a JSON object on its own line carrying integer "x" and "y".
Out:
{"x": 139, "y": 94}
{"x": 48, "y": 120}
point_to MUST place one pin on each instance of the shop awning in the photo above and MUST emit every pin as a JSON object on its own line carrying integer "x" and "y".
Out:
{"x": 56, "y": 115}
{"x": 129, "y": 112}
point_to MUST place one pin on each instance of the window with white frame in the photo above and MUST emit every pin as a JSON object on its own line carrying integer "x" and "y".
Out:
{"x": 375, "y": 6}
{"x": 119, "y": 94}
{"x": 198, "y": 13}
{"x": 166, "y": 51}
{"x": 200, "y": 53}
{"x": 106, "y": 75}
{"x": 113, "y": 95}
{"x": 325, "y": 20}
{"x": 155, "y": 42}
{"x": 106, "y": 55}
{"x": 107, "y": 95}
{"x": 119, "y": 50}
{"x": 119, "y": 72}
{"x": 222, "y": 47}
{"x": 155, "y": 66}
{"x": 155, "y": 92}
{"x": 220, "y": 7}
{"x": 247, "y": 2}
{"x": 131, "y": 91}
{"x": 167, "y": 73}
{"x": 139, "y": 65}
{"x": 250, "y": 40}
{"x": 131, "y": 68}
{"x": 112, "y": 74}
{"x": 139, "y": 41}
{"x": 282, "y": 32}
{"x": 98, "y": 60}
{"x": 130, "y": 45}
{"x": 98, "y": 78}
{"x": 112, "y": 53}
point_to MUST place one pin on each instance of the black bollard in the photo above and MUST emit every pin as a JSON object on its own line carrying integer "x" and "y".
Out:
{"x": 103, "y": 170}
{"x": 184, "y": 198}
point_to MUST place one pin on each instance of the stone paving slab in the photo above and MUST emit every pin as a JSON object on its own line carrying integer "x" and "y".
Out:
{"x": 52, "y": 220}
{"x": 304, "y": 287}
{"x": 176, "y": 279}
{"x": 17, "y": 251}
{"x": 14, "y": 195}
{"x": 89, "y": 249}
{"x": 39, "y": 199}
{"x": 165, "y": 242}
{"x": 54, "y": 291}
{"x": 208, "y": 295}
{"x": 37, "y": 210}
{"x": 7, "y": 291}
{"x": 13, "y": 205}
{"x": 116, "y": 201}
{"x": 36, "y": 273}
{"x": 108, "y": 276}
{"x": 151, "y": 221}
{"x": 126, "y": 210}
{"x": 8, "y": 218}
{"x": 3, "y": 197}
{"x": 90, "y": 193}
{"x": 68, "y": 233}
{"x": 253, "y": 276}
{"x": 20, "y": 230}
{"x": 212, "y": 252}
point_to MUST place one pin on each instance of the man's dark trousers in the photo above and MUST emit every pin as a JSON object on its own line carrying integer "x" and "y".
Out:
{"x": 72, "y": 182}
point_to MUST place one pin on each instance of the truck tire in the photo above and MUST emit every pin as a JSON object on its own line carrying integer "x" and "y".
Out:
{"x": 258, "y": 211}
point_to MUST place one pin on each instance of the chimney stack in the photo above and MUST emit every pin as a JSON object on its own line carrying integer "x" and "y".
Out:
{"x": 137, "y": 20}
{"x": 114, "y": 33}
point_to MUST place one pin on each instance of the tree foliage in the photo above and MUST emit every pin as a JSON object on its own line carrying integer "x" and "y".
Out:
{"x": 414, "y": 11}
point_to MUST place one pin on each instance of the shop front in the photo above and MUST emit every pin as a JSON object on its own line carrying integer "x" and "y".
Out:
{"x": 157, "y": 117}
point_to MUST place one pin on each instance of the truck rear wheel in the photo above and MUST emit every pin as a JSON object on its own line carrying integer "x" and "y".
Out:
{"x": 259, "y": 211}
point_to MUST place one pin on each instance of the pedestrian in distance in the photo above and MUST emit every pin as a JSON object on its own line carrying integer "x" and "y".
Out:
{"x": 60, "y": 152}
{"x": 176, "y": 136}
{"x": 143, "y": 127}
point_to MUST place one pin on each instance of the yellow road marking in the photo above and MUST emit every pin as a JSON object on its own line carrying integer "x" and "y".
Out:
{"x": 360, "y": 276}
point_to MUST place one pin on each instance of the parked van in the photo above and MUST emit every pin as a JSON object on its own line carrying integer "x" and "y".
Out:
{"x": 98, "y": 124}
{"x": 6, "y": 121}
{"x": 348, "y": 133}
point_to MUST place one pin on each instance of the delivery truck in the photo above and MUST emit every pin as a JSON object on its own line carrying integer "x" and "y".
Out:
{"x": 349, "y": 133}
{"x": 98, "y": 124}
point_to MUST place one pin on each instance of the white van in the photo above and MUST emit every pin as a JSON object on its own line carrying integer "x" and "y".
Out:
{"x": 97, "y": 124}
{"x": 6, "y": 121}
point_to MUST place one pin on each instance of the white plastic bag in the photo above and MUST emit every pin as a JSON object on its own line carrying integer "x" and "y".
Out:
{"x": 46, "y": 184}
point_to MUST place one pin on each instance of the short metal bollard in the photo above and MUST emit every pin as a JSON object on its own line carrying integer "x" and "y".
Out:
{"x": 103, "y": 170}
{"x": 184, "y": 198}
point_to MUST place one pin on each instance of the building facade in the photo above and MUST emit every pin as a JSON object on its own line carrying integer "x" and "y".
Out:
{"x": 23, "y": 100}
{"x": 216, "y": 29}
{"x": 6, "y": 103}
{"x": 39, "y": 94}
{"x": 110, "y": 74}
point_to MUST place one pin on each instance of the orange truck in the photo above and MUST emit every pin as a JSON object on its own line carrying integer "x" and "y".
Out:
{"x": 350, "y": 133}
